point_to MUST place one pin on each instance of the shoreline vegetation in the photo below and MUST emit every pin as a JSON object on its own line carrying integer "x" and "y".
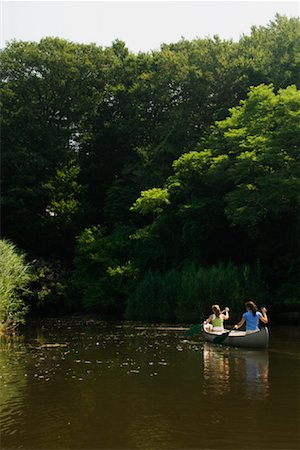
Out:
{"x": 148, "y": 187}
{"x": 14, "y": 280}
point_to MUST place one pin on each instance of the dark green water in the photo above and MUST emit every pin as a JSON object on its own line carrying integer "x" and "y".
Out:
{"x": 120, "y": 386}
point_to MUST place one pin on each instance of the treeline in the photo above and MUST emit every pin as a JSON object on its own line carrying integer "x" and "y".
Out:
{"x": 149, "y": 186}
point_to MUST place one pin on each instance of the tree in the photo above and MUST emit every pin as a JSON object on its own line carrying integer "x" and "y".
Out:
{"x": 239, "y": 192}
{"x": 48, "y": 90}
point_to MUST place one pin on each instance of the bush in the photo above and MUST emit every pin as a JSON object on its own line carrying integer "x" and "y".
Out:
{"x": 14, "y": 279}
{"x": 50, "y": 286}
{"x": 102, "y": 274}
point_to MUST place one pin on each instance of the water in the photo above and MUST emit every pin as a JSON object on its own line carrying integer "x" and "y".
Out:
{"x": 87, "y": 384}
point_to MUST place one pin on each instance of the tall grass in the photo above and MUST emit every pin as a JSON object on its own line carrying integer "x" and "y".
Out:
{"x": 14, "y": 278}
{"x": 186, "y": 294}
{"x": 154, "y": 298}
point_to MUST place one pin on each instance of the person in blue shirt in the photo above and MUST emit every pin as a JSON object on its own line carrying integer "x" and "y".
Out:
{"x": 252, "y": 317}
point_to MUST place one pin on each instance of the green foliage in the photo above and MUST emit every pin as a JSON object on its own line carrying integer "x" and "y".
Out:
{"x": 49, "y": 286}
{"x": 14, "y": 279}
{"x": 288, "y": 296}
{"x": 187, "y": 294}
{"x": 46, "y": 90}
{"x": 64, "y": 191}
{"x": 264, "y": 135}
{"x": 271, "y": 54}
{"x": 151, "y": 201}
{"x": 239, "y": 189}
{"x": 102, "y": 274}
{"x": 64, "y": 212}
{"x": 201, "y": 137}
{"x": 154, "y": 297}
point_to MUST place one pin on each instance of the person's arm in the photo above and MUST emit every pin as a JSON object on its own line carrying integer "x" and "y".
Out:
{"x": 208, "y": 320}
{"x": 263, "y": 318}
{"x": 240, "y": 324}
{"x": 226, "y": 315}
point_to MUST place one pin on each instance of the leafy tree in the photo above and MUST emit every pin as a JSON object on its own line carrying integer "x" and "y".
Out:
{"x": 86, "y": 129}
{"x": 47, "y": 91}
{"x": 64, "y": 211}
{"x": 271, "y": 54}
{"x": 239, "y": 191}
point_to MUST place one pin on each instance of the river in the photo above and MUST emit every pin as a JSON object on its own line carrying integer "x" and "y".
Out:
{"x": 81, "y": 383}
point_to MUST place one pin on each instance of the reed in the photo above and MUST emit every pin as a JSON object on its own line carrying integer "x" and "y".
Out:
{"x": 187, "y": 293}
{"x": 14, "y": 279}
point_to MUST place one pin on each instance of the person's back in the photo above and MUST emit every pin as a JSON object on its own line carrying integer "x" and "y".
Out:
{"x": 252, "y": 317}
{"x": 217, "y": 322}
{"x": 252, "y": 320}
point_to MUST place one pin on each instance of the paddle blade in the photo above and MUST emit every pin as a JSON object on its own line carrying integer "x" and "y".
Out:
{"x": 195, "y": 329}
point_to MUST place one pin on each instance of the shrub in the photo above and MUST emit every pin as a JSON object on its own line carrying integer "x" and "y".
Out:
{"x": 14, "y": 278}
{"x": 102, "y": 274}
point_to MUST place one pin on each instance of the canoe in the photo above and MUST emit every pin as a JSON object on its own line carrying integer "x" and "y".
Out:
{"x": 235, "y": 338}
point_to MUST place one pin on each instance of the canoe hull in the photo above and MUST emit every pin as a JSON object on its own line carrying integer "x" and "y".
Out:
{"x": 259, "y": 339}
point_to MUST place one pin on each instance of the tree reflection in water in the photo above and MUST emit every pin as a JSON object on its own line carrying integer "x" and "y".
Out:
{"x": 227, "y": 367}
{"x": 14, "y": 380}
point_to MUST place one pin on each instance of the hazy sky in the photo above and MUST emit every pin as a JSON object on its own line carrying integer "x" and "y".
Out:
{"x": 143, "y": 25}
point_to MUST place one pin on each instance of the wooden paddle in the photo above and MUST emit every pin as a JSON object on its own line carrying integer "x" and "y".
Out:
{"x": 195, "y": 329}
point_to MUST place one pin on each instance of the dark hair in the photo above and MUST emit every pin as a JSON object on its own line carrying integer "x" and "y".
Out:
{"x": 251, "y": 305}
{"x": 216, "y": 309}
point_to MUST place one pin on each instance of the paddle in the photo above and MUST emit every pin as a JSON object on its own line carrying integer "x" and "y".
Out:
{"x": 221, "y": 338}
{"x": 195, "y": 329}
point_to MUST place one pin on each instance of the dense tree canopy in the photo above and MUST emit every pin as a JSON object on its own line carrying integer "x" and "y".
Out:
{"x": 139, "y": 171}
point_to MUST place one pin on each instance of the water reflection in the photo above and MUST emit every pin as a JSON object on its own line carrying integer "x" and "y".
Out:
{"x": 216, "y": 367}
{"x": 226, "y": 367}
{"x": 13, "y": 379}
{"x": 253, "y": 367}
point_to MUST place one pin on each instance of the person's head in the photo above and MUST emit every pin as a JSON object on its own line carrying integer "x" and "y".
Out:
{"x": 251, "y": 306}
{"x": 216, "y": 310}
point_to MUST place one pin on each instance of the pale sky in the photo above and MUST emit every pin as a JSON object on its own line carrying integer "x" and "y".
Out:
{"x": 143, "y": 25}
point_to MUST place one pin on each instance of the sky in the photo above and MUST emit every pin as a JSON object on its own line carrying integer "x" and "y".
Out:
{"x": 143, "y": 25}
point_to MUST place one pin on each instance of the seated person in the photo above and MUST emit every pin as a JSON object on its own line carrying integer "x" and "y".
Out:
{"x": 252, "y": 317}
{"x": 215, "y": 320}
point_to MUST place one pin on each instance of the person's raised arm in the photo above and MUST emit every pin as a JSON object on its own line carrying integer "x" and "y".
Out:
{"x": 264, "y": 318}
{"x": 226, "y": 315}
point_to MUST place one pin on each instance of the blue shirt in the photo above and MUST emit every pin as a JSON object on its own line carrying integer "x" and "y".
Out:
{"x": 251, "y": 320}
